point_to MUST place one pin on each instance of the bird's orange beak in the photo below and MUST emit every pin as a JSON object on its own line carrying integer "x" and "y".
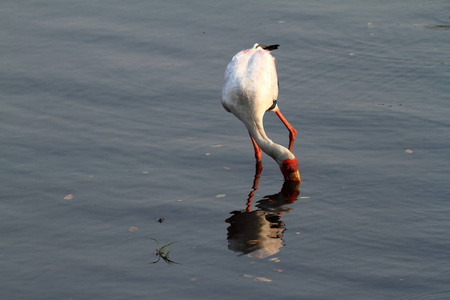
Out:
{"x": 289, "y": 168}
{"x": 294, "y": 176}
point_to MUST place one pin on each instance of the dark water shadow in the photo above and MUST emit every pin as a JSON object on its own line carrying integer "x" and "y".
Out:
{"x": 438, "y": 27}
{"x": 259, "y": 232}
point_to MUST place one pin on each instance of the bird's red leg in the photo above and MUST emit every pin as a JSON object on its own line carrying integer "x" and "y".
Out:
{"x": 257, "y": 149}
{"x": 292, "y": 131}
{"x": 257, "y": 172}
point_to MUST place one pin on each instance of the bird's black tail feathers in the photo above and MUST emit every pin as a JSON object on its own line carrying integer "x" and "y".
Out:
{"x": 270, "y": 47}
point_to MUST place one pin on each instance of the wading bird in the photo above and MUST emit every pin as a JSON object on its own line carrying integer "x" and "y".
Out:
{"x": 249, "y": 90}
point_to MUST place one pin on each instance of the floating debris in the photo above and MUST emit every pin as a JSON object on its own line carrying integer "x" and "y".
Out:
{"x": 278, "y": 270}
{"x": 133, "y": 229}
{"x": 275, "y": 259}
{"x": 68, "y": 197}
{"x": 220, "y": 195}
{"x": 216, "y": 146}
{"x": 263, "y": 279}
{"x": 161, "y": 252}
{"x": 408, "y": 151}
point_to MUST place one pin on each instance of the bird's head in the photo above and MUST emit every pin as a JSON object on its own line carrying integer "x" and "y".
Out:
{"x": 289, "y": 168}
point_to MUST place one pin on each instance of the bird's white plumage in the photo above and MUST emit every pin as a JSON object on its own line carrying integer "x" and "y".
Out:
{"x": 251, "y": 82}
{"x": 249, "y": 90}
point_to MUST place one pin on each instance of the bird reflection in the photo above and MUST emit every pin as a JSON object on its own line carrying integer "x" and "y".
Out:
{"x": 259, "y": 232}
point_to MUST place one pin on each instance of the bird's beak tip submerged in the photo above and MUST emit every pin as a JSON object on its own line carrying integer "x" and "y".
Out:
{"x": 294, "y": 176}
{"x": 289, "y": 168}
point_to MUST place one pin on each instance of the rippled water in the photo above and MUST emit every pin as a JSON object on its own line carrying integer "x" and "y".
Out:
{"x": 116, "y": 107}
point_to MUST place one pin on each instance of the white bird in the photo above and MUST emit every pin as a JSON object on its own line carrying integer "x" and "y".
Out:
{"x": 249, "y": 90}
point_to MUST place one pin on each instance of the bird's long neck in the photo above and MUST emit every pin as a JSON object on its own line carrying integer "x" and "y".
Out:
{"x": 276, "y": 151}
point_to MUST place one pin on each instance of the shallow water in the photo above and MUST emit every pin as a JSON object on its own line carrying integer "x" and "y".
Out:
{"x": 118, "y": 104}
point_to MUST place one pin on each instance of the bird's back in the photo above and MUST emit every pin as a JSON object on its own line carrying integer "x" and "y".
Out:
{"x": 250, "y": 81}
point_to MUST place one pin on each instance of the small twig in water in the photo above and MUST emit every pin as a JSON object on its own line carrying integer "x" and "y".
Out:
{"x": 162, "y": 253}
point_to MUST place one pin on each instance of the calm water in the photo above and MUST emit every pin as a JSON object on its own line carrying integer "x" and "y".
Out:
{"x": 118, "y": 104}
